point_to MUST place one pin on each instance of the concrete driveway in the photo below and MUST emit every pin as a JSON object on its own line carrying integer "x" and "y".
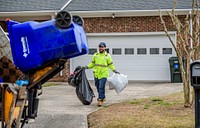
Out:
{"x": 59, "y": 106}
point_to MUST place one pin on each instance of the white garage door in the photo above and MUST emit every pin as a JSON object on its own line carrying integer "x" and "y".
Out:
{"x": 141, "y": 56}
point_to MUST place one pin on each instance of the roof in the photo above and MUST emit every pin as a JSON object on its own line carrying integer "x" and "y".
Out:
{"x": 91, "y": 8}
{"x": 99, "y": 5}
{"x": 90, "y": 5}
{"x": 30, "y": 5}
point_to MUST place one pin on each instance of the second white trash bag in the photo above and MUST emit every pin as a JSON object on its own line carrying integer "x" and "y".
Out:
{"x": 118, "y": 82}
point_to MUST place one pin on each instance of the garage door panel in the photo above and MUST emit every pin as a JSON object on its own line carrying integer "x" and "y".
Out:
{"x": 142, "y": 64}
{"x": 143, "y": 75}
{"x": 137, "y": 67}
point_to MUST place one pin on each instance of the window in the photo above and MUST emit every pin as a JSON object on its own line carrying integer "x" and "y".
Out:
{"x": 154, "y": 50}
{"x": 141, "y": 51}
{"x": 116, "y": 51}
{"x": 92, "y": 51}
{"x": 129, "y": 51}
{"x": 167, "y": 50}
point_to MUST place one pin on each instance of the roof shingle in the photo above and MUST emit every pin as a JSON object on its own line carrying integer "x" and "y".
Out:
{"x": 30, "y": 5}
{"x": 100, "y": 5}
{"x": 90, "y": 5}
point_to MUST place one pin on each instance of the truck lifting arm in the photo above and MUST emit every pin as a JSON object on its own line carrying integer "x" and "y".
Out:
{"x": 13, "y": 109}
{"x": 18, "y": 104}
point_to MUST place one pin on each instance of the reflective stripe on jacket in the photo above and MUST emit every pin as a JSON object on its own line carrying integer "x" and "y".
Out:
{"x": 100, "y": 63}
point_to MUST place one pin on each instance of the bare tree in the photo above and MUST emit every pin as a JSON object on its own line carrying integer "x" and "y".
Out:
{"x": 187, "y": 44}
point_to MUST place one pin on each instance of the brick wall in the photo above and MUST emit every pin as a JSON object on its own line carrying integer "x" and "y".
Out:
{"x": 65, "y": 74}
{"x": 3, "y": 25}
{"x": 127, "y": 24}
{"x": 123, "y": 24}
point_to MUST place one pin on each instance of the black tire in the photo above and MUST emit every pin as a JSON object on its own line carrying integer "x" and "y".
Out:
{"x": 63, "y": 19}
{"x": 78, "y": 20}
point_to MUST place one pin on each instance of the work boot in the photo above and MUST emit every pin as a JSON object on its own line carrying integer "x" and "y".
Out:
{"x": 101, "y": 102}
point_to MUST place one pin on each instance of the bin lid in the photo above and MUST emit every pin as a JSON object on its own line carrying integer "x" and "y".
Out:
{"x": 173, "y": 58}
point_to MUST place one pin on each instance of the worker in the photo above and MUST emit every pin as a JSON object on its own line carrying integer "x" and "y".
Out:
{"x": 100, "y": 62}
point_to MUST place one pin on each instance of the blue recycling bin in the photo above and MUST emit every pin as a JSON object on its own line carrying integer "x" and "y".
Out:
{"x": 35, "y": 43}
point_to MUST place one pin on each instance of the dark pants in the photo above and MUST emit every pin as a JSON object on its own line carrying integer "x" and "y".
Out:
{"x": 100, "y": 85}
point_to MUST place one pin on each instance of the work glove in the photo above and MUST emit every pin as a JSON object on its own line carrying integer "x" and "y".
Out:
{"x": 115, "y": 71}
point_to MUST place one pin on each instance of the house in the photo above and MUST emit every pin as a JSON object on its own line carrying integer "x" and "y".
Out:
{"x": 132, "y": 30}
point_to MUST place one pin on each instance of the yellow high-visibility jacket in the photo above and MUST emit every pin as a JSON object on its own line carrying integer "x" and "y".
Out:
{"x": 100, "y": 62}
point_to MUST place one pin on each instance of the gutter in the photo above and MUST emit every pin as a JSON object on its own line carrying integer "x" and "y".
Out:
{"x": 28, "y": 13}
{"x": 88, "y": 14}
{"x": 127, "y": 13}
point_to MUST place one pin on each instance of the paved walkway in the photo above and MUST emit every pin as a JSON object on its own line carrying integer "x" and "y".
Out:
{"x": 59, "y": 106}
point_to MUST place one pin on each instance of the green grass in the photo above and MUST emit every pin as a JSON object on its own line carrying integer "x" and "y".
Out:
{"x": 157, "y": 101}
{"x": 135, "y": 101}
{"x": 48, "y": 84}
{"x": 106, "y": 106}
{"x": 146, "y": 106}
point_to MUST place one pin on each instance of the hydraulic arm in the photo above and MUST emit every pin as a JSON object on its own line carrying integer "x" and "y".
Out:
{"x": 39, "y": 54}
{"x": 18, "y": 104}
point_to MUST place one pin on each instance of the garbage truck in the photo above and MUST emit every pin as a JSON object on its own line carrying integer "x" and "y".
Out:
{"x": 39, "y": 51}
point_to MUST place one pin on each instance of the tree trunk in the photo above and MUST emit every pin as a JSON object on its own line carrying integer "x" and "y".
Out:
{"x": 186, "y": 89}
{"x": 187, "y": 83}
{"x": 185, "y": 73}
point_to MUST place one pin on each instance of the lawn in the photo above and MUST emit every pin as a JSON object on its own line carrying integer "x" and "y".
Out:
{"x": 154, "y": 112}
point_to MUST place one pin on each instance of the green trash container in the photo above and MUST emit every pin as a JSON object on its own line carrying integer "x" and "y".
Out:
{"x": 175, "y": 71}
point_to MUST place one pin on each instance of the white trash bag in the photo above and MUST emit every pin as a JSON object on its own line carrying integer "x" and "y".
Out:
{"x": 117, "y": 82}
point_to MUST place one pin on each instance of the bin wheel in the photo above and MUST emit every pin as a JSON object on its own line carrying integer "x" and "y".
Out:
{"x": 78, "y": 20}
{"x": 63, "y": 19}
